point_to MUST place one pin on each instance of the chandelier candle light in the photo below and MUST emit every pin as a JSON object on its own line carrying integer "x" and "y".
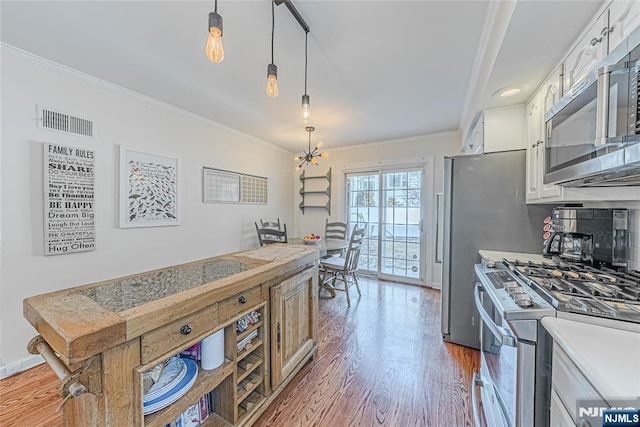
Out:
{"x": 311, "y": 156}
{"x": 214, "y": 49}
{"x": 272, "y": 69}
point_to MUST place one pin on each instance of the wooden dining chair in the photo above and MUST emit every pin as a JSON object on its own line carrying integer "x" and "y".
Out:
{"x": 335, "y": 230}
{"x": 271, "y": 224}
{"x": 344, "y": 268}
{"x": 267, "y": 236}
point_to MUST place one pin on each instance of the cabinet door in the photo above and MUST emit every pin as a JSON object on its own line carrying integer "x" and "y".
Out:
{"x": 475, "y": 138}
{"x": 550, "y": 94}
{"x": 534, "y": 140}
{"x": 559, "y": 415}
{"x": 551, "y": 91}
{"x": 293, "y": 307}
{"x": 589, "y": 51}
{"x": 624, "y": 17}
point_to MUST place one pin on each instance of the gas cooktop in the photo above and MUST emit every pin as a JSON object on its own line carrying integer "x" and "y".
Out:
{"x": 583, "y": 289}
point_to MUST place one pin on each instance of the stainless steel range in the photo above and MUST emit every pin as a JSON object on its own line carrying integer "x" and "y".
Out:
{"x": 515, "y": 374}
{"x": 584, "y": 290}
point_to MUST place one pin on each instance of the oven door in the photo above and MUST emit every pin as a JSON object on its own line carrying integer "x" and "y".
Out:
{"x": 499, "y": 363}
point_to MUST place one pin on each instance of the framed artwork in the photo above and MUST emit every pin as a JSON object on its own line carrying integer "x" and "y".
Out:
{"x": 148, "y": 189}
{"x": 220, "y": 186}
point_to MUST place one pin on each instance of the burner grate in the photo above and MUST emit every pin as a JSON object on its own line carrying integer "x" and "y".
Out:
{"x": 584, "y": 289}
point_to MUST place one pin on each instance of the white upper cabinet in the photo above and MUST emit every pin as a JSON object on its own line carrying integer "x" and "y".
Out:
{"x": 624, "y": 17}
{"x": 534, "y": 140}
{"x": 537, "y": 190}
{"x": 590, "y": 50}
{"x": 474, "y": 143}
{"x": 551, "y": 91}
{"x": 498, "y": 129}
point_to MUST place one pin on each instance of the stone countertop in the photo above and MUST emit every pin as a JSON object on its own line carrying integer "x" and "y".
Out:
{"x": 608, "y": 358}
{"x": 512, "y": 256}
{"x": 82, "y": 321}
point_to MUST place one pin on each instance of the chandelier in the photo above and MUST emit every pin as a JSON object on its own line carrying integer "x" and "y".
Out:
{"x": 311, "y": 156}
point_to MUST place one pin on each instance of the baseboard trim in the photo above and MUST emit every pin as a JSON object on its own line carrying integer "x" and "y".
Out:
{"x": 20, "y": 366}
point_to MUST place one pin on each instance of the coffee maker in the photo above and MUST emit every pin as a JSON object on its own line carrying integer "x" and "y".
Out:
{"x": 589, "y": 235}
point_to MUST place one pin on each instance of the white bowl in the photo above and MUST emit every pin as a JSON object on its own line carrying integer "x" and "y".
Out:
{"x": 311, "y": 241}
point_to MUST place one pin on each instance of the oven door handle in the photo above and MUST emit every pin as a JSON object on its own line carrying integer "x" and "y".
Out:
{"x": 503, "y": 335}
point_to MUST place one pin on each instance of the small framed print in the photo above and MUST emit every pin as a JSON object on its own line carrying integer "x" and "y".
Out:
{"x": 148, "y": 189}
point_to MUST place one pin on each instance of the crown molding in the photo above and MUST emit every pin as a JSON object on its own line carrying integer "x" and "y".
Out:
{"x": 87, "y": 78}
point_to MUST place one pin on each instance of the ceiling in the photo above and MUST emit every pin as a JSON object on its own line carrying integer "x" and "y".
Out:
{"x": 378, "y": 70}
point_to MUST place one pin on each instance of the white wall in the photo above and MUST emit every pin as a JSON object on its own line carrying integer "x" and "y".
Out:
{"x": 122, "y": 118}
{"x": 420, "y": 149}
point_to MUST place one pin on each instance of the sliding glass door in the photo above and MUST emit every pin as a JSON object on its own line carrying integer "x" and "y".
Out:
{"x": 390, "y": 202}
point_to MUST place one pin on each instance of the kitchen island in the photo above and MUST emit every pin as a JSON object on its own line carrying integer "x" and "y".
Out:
{"x": 108, "y": 334}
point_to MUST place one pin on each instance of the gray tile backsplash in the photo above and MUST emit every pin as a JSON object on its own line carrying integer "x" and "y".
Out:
{"x": 633, "y": 252}
{"x": 634, "y": 238}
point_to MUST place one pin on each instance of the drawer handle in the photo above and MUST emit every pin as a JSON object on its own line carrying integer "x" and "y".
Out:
{"x": 242, "y": 299}
{"x": 185, "y": 330}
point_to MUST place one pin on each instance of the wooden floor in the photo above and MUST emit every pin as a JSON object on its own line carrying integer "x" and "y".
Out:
{"x": 381, "y": 362}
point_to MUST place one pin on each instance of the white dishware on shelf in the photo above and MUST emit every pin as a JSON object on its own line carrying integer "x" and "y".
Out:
{"x": 172, "y": 374}
{"x": 176, "y": 392}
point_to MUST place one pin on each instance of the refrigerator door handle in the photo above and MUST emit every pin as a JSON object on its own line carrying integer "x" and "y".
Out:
{"x": 438, "y": 259}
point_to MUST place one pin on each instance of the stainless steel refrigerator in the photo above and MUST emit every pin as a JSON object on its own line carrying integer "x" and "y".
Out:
{"x": 484, "y": 208}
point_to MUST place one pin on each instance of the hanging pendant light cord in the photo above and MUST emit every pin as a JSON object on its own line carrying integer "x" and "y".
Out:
{"x": 215, "y": 6}
{"x": 306, "y": 34}
{"x": 273, "y": 25}
{"x": 309, "y": 142}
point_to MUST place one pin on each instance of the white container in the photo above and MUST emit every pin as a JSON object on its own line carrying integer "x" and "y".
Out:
{"x": 212, "y": 351}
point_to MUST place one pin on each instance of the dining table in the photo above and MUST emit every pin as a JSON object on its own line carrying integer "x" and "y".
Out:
{"x": 324, "y": 246}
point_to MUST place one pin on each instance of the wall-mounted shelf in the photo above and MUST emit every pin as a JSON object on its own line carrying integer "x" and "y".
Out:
{"x": 304, "y": 191}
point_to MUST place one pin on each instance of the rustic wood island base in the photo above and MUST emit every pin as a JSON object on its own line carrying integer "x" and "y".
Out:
{"x": 107, "y": 334}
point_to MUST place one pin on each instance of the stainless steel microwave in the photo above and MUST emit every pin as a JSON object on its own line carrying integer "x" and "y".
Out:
{"x": 592, "y": 135}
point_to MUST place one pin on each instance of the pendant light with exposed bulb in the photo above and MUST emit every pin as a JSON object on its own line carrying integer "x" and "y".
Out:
{"x": 311, "y": 156}
{"x": 306, "y": 106}
{"x": 272, "y": 69}
{"x": 214, "y": 49}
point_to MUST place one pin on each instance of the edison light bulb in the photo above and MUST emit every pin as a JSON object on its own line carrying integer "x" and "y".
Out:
{"x": 306, "y": 113}
{"x": 325, "y": 154}
{"x": 318, "y": 144}
{"x": 272, "y": 80}
{"x": 306, "y": 108}
{"x": 214, "y": 49}
{"x": 297, "y": 168}
{"x": 314, "y": 160}
{"x": 272, "y": 86}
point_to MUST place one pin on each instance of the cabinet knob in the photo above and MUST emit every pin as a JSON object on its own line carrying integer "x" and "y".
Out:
{"x": 185, "y": 330}
{"x": 242, "y": 299}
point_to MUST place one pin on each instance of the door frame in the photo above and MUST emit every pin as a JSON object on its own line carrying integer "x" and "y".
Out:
{"x": 428, "y": 206}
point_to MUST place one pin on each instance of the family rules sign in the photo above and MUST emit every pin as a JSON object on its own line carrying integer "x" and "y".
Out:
{"x": 69, "y": 203}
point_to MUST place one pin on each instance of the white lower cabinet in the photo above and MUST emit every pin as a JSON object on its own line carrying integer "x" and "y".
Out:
{"x": 569, "y": 387}
{"x": 560, "y": 417}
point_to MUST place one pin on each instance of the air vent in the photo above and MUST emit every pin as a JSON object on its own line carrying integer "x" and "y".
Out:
{"x": 63, "y": 122}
